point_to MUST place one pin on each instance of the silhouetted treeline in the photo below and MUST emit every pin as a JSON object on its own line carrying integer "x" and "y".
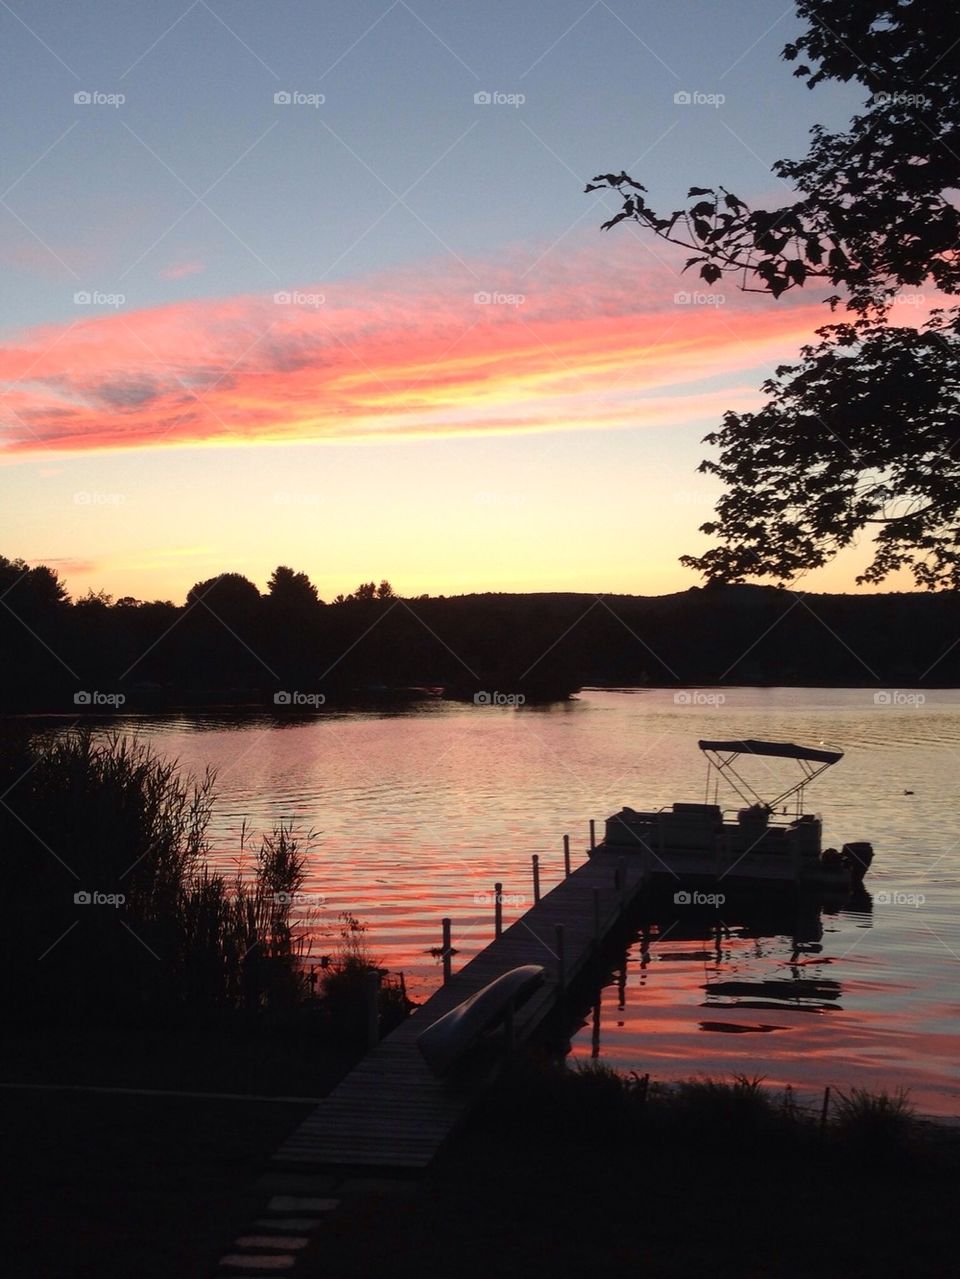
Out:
{"x": 231, "y": 645}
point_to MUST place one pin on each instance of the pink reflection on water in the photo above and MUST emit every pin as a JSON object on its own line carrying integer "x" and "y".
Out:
{"x": 730, "y": 1003}
{"x": 419, "y": 814}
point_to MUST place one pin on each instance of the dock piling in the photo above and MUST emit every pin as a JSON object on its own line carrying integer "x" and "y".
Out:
{"x": 498, "y": 910}
{"x": 566, "y": 855}
{"x": 536, "y": 877}
{"x": 593, "y": 834}
{"x": 446, "y": 950}
{"x": 372, "y": 993}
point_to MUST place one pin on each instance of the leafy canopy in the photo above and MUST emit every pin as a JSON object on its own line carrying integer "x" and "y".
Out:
{"x": 862, "y": 434}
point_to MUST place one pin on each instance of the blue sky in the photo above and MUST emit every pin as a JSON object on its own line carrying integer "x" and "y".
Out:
{"x": 199, "y": 189}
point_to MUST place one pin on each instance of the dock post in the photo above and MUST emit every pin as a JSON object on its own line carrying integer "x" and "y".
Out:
{"x": 497, "y": 910}
{"x": 596, "y": 917}
{"x": 446, "y": 950}
{"x": 536, "y": 877}
{"x": 593, "y": 834}
{"x": 566, "y": 854}
{"x": 561, "y": 959}
{"x": 372, "y": 993}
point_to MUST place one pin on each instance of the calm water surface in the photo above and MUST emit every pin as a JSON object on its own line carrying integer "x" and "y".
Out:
{"x": 418, "y": 813}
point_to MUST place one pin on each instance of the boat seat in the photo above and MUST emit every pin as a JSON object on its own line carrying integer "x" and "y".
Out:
{"x": 629, "y": 828}
{"x": 709, "y": 812}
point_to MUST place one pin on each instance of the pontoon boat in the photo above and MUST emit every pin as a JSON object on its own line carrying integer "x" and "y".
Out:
{"x": 762, "y": 842}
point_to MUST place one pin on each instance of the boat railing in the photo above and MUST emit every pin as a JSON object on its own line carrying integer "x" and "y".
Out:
{"x": 731, "y": 816}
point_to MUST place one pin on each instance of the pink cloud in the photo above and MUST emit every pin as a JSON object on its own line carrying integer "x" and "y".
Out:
{"x": 181, "y": 270}
{"x": 593, "y": 340}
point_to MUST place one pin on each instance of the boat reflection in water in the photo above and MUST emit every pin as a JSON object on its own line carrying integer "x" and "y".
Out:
{"x": 749, "y": 965}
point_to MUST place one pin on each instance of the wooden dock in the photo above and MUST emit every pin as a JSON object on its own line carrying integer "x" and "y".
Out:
{"x": 390, "y": 1113}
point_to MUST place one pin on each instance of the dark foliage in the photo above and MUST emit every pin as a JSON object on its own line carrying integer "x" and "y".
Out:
{"x": 863, "y": 432}
{"x": 158, "y": 657}
{"x": 112, "y": 914}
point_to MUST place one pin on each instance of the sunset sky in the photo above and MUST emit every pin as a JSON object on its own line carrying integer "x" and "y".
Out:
{"x": 377, "y": 335}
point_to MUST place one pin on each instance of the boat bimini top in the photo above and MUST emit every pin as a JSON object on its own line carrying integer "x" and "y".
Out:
{"x": 723, "y": 756}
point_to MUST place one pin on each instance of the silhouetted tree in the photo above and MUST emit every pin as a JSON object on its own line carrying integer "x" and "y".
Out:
{"x": 38, "y": 587}
{"x": 229, "y": 595}
{"x": 385, "y": 591}
{"x": 291, "y": 589}
{"x": 94, "y": 600}
{"x": 874, "y": 211}
{"x": 863, "y": 432}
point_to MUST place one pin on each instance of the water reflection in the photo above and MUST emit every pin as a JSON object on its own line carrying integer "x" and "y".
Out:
{"x": 757, "y": 955}
{"x": 422, "y": 809}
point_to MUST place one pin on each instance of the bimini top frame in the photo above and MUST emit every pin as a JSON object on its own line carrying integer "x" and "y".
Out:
{"x": 723, "y": 756}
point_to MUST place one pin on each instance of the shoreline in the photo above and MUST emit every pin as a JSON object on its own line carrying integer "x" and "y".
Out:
{"x": 259, "y": 704}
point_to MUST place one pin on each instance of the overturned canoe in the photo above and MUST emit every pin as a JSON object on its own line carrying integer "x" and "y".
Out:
{"x": 453, "y": 1035}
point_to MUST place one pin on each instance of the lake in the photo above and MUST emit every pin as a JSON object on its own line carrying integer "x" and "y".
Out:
{"x": 418, "y": 812}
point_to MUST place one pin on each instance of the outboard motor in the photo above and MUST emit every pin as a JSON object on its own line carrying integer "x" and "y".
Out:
{"x": 857, "y": 858}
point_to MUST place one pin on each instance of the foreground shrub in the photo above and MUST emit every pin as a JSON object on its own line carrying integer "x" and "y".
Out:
{"x": 873, "y": 1120}
{"x": 594, "y": 1104}
{"x": 344, "y": 989}
{"x": 111, "y": 911}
